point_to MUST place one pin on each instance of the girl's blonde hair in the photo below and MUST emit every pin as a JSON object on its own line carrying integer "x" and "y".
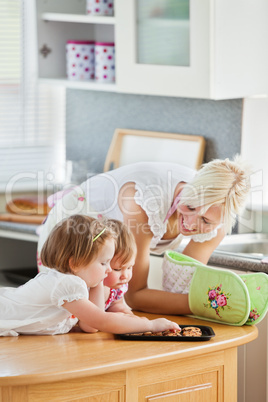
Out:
{"x": 220, "y": 182}
{"x": 125, "y": 246}
{"x": 74, "y": 238}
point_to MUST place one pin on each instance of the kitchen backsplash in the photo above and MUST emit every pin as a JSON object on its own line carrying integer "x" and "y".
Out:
{"x": 92, "y": 117}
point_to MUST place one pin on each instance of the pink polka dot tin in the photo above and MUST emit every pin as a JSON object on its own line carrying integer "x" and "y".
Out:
{"x": 105, "y": 62}
{"x": 100, "y": 7}
{"x": 80, "y": 63}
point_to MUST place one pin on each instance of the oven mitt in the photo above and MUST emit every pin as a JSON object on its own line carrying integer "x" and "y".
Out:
{"x": 215, "y": 294}
{"x": 219, "y": 295}
{"x": 257, "y": 285}
{"x": 178, "y": 270}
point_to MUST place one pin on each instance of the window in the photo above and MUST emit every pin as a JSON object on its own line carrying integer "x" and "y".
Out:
{"x": 32, "y": 115}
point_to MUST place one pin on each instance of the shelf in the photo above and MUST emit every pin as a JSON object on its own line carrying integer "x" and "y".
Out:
{"x": 80, "y": 18}
{"x": 87, "y": 85}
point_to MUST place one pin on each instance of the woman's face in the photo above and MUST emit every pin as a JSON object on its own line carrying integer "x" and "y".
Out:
{"x": 191, "y": 221}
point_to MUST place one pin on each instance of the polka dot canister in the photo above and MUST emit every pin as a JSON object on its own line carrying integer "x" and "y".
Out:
{"x": 80, "y": 60}
{"x": 100, "y": 7}
{"x": 104, "y": 62}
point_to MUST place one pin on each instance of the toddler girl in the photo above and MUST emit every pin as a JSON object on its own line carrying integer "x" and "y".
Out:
{"x": 78, "y": 252}
{"x": 116, "y": 283}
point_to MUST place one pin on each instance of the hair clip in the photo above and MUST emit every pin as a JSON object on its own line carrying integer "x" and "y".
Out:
{"x": 98, "y": 235}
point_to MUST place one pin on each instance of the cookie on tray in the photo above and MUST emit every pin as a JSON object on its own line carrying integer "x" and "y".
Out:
{"x": 191, "y": 331}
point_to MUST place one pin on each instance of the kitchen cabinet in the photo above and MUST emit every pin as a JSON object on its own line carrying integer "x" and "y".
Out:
{"x": 210, "y": 49}
{"x": 221, "y": 44}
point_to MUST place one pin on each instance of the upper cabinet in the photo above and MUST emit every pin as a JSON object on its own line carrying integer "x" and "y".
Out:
{"x": 210, "y": 49}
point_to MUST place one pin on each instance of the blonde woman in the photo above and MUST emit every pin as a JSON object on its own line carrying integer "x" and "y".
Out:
{"x": 162, "y": 203}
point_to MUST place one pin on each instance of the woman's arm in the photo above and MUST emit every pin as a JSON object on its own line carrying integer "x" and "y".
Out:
{"x": 203, "y": 251}
{"x": 90, "y": 316}
{"x": 139, "y": 297}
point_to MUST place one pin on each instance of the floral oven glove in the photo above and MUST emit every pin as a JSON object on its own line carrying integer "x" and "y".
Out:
{"x": 217, "y": 294}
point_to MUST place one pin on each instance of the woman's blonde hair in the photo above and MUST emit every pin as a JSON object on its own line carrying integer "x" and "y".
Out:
{"x": 220, "y": 182}
{"x": 78, "y": 238}
{"x": 125, "y": 246}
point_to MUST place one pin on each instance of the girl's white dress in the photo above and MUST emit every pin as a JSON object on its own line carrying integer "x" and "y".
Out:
{"x": 36, "y": 307}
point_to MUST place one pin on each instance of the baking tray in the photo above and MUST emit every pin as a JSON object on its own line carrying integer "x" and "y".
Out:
{"x": 207, "y": 334}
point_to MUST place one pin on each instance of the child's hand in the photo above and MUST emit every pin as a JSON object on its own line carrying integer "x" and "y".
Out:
{"x": 162, "y": 324}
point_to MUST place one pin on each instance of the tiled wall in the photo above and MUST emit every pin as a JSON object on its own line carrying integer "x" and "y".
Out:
{"x": 92, "y": 118}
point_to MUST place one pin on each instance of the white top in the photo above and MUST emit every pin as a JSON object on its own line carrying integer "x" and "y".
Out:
{"x": 36, "y": 307}
{"x": 155, "y": 184}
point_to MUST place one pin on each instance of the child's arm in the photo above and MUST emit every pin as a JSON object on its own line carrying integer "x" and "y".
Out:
{"x": 91, "y": 316}
{"x": 119, "y": 306}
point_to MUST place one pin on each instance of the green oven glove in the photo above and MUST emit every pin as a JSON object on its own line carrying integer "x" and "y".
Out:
{"x": 177, "y": 272}
{"x": 215, "y": 294}
{"x": 257, "y": 285}
{"x": 219, "y": 295}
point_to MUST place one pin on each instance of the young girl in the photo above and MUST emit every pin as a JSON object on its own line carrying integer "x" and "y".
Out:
{"x": 78, "y": 253}
{"x": 116, "y": 283}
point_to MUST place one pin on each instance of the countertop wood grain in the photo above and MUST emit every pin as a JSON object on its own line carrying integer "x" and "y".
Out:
{"x": 43, "y": 359}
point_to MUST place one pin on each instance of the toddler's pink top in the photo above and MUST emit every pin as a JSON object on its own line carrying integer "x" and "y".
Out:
{"x": 116, "y": 294}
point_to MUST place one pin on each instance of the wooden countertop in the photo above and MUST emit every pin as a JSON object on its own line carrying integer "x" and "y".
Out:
{"x": 42, "y": 359}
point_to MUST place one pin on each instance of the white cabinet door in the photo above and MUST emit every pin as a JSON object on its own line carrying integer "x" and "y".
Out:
{"x": 217, "y": 51}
